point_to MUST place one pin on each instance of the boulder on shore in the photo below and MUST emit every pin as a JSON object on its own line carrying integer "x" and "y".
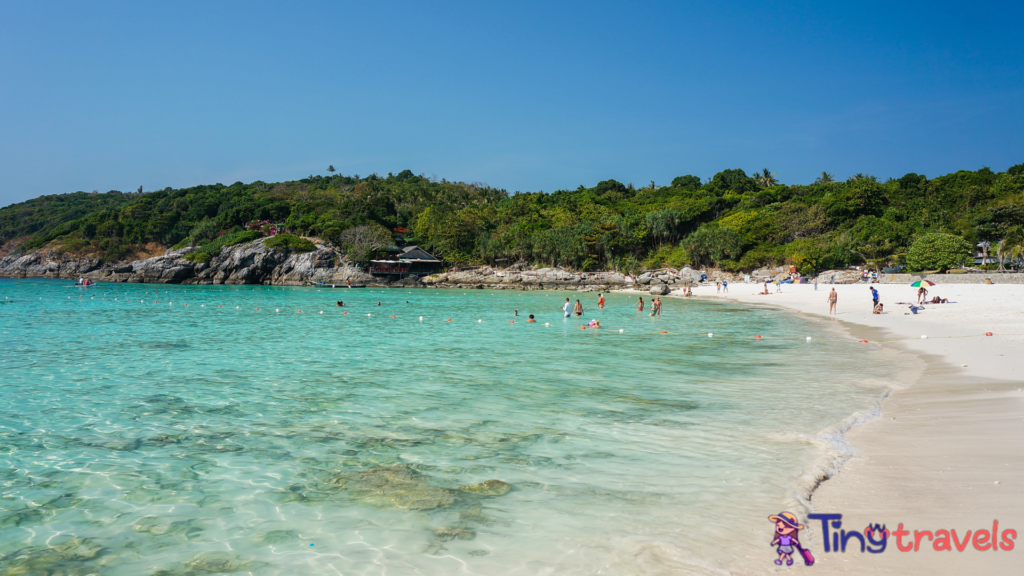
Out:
{"x": 660, "y": 290}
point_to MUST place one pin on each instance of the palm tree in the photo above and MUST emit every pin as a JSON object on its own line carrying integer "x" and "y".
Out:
{"x": 766, "y": 179}
{"x": 330, "y": 168}
{"x": 862, "y": 176}
{"x": 1012, "y": 245}
{"x": 825, "y": 178}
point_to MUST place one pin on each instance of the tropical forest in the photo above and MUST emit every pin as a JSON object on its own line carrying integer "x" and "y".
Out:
{"x": 733, "y": 221}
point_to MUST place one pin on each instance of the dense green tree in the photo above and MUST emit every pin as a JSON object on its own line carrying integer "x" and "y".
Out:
{"x": 711, "y": 244}
{"x": 939, "y": 252}
{"x": 688, "y": 181}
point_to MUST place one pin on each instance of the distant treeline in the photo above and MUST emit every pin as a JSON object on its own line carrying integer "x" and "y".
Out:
{"x": 733, "y": 220}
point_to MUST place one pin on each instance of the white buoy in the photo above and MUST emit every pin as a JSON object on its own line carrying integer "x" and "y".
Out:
{"x": 547, "y": 324}
{"x": 711, "y": 335}
{"x": 421, "y": 318}
{"x": 321, "y": 311}
{"x": 479, "y": 320}
{"x": 277, "y": 309}
{"x": 923, "y": 337}
{"x": 808, "y": 338}
{"x": 621, "y": 330}
{"x": 369, "y": 314}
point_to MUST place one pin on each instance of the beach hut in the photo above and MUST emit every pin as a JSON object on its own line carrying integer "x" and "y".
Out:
{"x": 405, "y": 262}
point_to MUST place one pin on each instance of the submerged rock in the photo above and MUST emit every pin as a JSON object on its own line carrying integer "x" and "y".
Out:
{"x": 488, "y": 488}
{"x": 395, "y": 487}
{"x": 446, "y": 533}
{"x": 221, "y": 562}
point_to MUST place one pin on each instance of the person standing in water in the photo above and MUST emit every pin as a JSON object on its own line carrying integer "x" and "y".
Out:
{"x": 832, "y": 297}
{"x": 578, "y": 309}
{"x": 600, "y": 302}
{"x": 656, "y": 306}
{"x": 567, "y": 308}
{"x": 640, "y": 304}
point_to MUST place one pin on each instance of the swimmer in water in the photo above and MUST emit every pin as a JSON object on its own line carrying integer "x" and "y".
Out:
{"x": 600, "y": 301}
{"x": 531, "y": 319}
{"x": 340, "y": 304}
{"x": 640, "y": 304}
{"x": 516, "y": 312}
{"x": 578, "y": 309}
{"x": 378, "y": 303}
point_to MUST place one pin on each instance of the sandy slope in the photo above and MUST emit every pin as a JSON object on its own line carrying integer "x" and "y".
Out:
{"x": 948, "y": 452}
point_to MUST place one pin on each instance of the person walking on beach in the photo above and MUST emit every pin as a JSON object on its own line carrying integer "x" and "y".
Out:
{"x": 600, "y": 302}
{"x": 815, "y": 284}
{"x": 725, "y": 285}
{"x": 567, "y": 308}
{"x": 640, "y": 304}
{"x": 718, "y": 287}
{"x": 578, "y": 309}
{"x": 922, "y": 293}
{"x": 874, "y": 297}
{"x": 832, "y": 297}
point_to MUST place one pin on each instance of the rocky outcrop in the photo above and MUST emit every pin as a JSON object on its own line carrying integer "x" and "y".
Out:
{"x": 251, "y": 263}
{"x": 543, "y": 279}
{"x": 660, "y": 290}
{"x": 47, "y": 265}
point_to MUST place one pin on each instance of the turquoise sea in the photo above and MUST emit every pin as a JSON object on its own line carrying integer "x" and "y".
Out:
{"x": 174, "y": 430}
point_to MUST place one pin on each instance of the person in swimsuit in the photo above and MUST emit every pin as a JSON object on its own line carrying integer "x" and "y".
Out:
{"x": 787, "y": 531}
{"x": 531, "y": 319}
{"x": 578, "y": 309}
{"x": 640, "y": 304}
{"x": 600, "y": 302}
{"x": 340, "y": 304}
{"x": 656, "y": 306}
{"x": 832, "y": 297}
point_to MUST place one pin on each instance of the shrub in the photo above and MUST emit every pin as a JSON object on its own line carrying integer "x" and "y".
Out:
{"x": 286, "y": 242}
{"x": 939, "y": 251}
{"x": 198, "y": 257}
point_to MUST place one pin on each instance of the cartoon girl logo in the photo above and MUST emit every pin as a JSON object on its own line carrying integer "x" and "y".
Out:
{"x": 787, "y": 533}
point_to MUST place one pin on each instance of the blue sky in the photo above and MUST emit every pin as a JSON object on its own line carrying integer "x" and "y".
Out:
{"x": 520, "y": 95}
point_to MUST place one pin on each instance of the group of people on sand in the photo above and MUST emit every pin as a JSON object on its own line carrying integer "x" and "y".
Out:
{"x": 878, "y": 308}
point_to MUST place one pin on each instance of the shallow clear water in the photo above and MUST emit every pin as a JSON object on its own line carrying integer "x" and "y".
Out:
{"x": 139, "y": 435}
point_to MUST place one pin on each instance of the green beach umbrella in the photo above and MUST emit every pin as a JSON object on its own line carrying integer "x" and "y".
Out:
{"x": 920, "y": 283}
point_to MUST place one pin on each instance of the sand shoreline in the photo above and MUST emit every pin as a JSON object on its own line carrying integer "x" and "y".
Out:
{"x": 947, "y": 452}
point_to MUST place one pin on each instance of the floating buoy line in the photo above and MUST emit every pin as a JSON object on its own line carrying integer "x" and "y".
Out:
{"x": 733, "y": 337}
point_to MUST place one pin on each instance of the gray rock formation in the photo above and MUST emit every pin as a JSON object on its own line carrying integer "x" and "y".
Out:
{"x": 251, "y": 263}
{"x": 660, "y": 290}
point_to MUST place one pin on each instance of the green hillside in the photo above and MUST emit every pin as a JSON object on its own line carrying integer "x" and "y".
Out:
{"x": 732, "y": 220}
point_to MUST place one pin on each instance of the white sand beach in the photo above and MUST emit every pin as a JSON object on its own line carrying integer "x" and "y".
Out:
{"x": 947, "y": 452}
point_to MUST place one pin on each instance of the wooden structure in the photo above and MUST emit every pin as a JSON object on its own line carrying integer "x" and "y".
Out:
{"x": 406, "y": 262}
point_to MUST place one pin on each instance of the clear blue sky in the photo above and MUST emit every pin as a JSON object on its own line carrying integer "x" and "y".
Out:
{"x": 520, "y": 95}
